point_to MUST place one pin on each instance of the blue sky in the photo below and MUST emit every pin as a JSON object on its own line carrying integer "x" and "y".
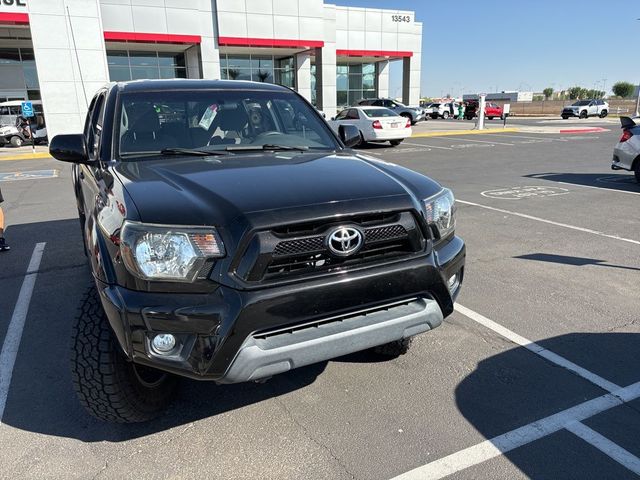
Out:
{"x": 526, "y": 45}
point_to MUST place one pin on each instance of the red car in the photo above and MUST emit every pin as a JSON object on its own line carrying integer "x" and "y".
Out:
{"x": 491, "y": 110}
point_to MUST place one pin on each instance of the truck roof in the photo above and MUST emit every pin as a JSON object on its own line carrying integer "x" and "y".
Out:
{"x": 195, "y": 84}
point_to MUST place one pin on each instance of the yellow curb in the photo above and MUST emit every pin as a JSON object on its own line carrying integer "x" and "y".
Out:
{"x": 26, "y": 156}
{"x": 445, "y": 133}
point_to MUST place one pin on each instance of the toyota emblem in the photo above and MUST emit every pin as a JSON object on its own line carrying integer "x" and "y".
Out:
{"x": 344, "y": 241}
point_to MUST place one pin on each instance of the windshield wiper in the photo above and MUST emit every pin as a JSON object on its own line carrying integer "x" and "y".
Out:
{"x": 190, "y": 151}
{"x": 266, "y": 146}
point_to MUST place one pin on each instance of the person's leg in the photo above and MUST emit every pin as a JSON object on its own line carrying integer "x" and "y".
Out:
{"x": 3, "y": 243}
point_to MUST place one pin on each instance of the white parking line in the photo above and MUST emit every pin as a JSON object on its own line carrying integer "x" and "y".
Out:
{"x": 529, "y": 138}
{"x": 551, "y": 222}
{"x": 480, "y": 141}
{"x": 597, "y": 188}
{"x": 16, "y": 326}
{"x": 537, "y": 349}
{"x": 506, "y": 442}
{"x": 425, "y": 145}
{"x": 606, "y": 446}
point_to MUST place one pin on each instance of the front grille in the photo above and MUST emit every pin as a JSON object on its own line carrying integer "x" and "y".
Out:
{"x": 302, "y": 249}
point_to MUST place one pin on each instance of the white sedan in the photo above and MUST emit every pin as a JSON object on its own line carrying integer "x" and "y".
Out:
{"x": 376, "y": 124}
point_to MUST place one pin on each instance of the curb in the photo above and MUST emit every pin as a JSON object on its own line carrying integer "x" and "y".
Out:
{"x": 584, "y": 130}
{"x": 26, "y": 156}
{"x": 445, "y": 133}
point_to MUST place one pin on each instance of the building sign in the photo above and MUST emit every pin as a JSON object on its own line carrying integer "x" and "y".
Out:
{"x": 12, "y": 3}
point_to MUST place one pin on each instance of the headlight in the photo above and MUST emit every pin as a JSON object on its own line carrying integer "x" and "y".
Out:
{"x": 155, "y": 252}
{"x": 440, "y": 212}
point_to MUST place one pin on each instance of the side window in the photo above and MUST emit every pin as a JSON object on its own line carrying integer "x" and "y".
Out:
{"x": 342, "y": 115}
{"x": 378, "y": 103}
{"x": 353, "y": 114}
{"x": 93, "y": 128}
{"x": 388, "y": 104}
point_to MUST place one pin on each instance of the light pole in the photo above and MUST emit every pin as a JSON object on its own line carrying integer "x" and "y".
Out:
{"x": 637, "y": 113}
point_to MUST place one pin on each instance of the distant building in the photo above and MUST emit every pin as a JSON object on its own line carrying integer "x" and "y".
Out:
{"x": 510, "y": 96}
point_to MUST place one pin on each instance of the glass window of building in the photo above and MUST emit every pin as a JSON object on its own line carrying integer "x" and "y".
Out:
{"x": 135, "y": 65}
{"x": 355, "y": 82}
{"x": 18, "y": 72}
{"x": 259, "y": 68}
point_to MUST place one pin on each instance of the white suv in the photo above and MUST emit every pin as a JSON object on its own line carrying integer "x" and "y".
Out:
{"x": 585, "y": 109}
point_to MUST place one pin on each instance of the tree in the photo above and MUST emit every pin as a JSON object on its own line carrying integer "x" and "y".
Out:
{"x": 623, "y": 89}
{"x": 575, "y": 92}
{"x": 547, "y": 92}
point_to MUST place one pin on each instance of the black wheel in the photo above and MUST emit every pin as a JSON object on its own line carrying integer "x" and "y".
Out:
{"x": 603, "y": 113}
{"x": 490, "y": 118}
{"x": 362, "y": 141}
{"x": 445, "y": 115}
{"x": 408, "y": 117}
{"x": 636, "y": 171}
{"x": 564, "y": 117}
{"x": 584, "y": 114}
{"x": 16, "y": 141}
{"x": 108, "y": 386}
{"x": 395, "y": 143}
{"x": 394, "y": 349}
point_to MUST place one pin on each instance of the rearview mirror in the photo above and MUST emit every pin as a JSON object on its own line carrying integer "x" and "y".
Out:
{"x": 349, "y": 134}
{"x": 69, "y": 148}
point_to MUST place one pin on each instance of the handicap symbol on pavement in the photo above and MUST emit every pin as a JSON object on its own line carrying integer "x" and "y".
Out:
{"x": 32, "y": 175}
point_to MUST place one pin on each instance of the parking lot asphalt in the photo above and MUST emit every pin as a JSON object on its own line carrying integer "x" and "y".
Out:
{"x": 534, "y": 376}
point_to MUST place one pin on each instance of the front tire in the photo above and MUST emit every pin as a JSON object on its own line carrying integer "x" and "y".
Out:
{"x": 108, "y": 386}
{"x": 16, "y": 141}
{"x": 636, "y": 171}
{"x": 584, "y": 114}
{"x": 603, "y": 114}
{"x": 564, "y": 117}
{"x": 395, "y": 143}
{"x": 394, "y": 349}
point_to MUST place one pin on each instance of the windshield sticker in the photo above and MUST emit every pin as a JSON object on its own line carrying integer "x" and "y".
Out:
{"x": 209, "y": 116}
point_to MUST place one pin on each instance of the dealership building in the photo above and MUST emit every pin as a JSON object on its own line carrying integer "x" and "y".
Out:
{"x": 62, "y": 51}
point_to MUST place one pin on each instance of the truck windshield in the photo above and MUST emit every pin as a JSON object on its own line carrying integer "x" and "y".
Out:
{"x": 215, "y": 120}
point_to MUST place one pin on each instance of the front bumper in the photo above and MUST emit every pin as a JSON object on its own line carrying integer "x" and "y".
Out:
{"x": 569, "y": 113}
{"x": 231, "y": 336}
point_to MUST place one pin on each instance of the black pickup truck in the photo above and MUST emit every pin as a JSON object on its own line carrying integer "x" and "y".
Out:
{"x": 233, "y": 236}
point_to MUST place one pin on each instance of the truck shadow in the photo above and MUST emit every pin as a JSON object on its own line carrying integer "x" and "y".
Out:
{"x": 41, "y": 397}
{"x": 515, "y": 388}
{"x": 624, "y": 181}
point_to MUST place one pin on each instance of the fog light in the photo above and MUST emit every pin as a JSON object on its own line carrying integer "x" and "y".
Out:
{"x": 164, "y": 343}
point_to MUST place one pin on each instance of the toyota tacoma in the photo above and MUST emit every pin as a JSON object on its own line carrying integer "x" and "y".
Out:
{"x": 233, "y": 236}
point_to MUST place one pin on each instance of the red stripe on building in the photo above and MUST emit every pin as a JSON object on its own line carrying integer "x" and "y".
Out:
{"x": 372, "y": 53}
{"x": 268, "y": 42}
{"x": 151, "y": 37}
{"x": 14, "y": 19}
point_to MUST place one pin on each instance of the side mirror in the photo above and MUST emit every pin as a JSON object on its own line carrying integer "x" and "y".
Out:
{"x": 69, "y": 148}
{"x": 349, "y": 134}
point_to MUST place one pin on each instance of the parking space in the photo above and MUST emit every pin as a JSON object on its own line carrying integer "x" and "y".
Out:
{"x": 534, "y": 376}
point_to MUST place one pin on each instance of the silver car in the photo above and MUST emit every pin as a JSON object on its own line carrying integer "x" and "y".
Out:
{"x": 626, "y": 154}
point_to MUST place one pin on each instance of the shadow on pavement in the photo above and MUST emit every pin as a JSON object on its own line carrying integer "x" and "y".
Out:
{"x": 568, "y": 260}
{"x": 41, "y": 397}
{"x": 499, "y": 396}
{"x": 609, "y": 181}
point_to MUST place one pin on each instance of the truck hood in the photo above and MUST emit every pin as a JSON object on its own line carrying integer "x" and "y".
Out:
{"x": 218, "y": 190}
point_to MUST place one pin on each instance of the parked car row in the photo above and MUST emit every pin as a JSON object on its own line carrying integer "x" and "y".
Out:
{"x": 446, "y": 110}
